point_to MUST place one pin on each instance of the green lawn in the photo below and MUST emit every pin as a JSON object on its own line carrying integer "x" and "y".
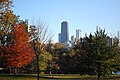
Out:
{"x": 55, "y": 77}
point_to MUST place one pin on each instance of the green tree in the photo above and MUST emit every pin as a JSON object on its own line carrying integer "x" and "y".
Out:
{"x": 75, "y": 55}
{"x": 95, "y": 56}
{"x": 105, "y": 54}
{"x": 44, "y": 58}
{"x": 118, "y": 60}
{"x": 39, "y": 37}
{"x": 58, "y": 63}
{"x": 55, "y": 50}
{"x": 61, "y": 58}
{"x": 82, "y": 53}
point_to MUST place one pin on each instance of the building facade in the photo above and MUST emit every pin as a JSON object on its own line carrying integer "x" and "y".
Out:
{"x": 118, "y": 36}
{"x": 64, "y": 32}
{"x": 78, "y": 34}
{"x": 59, "y": 37}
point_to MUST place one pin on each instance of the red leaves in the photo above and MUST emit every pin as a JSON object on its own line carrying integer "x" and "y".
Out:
{"x": 3, "y": 0}
{"x": 20, "y": 53}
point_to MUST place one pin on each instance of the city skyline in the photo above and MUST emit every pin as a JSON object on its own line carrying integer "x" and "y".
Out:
{"x": 80, "y": 14}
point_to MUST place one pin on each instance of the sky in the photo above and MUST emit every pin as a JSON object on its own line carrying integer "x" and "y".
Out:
{"x": 80, "y": 14}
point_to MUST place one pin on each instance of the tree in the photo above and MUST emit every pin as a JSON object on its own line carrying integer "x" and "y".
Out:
{"x": 95, "y": 56}
{"x": 56, "y": 51}
{"x": 7, "y": 22}
{"x": 76, "y": 55}
{"x": 105, "y": 54}
{"x": 39, "y": 37}
{"x": 20, "y": 53}
{"x": 12, "y": 43}
{"x": 22, "y": 47}
{"x": 43, "y": 62}
{"x": 80, "y": 60}
{"x": 60, "y": 59}
{"x": 118, "y": 60}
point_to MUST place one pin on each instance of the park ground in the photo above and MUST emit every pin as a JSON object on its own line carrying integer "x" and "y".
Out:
{"x": 55, "y": 77}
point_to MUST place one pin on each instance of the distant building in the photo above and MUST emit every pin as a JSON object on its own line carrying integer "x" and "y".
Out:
{"x": 118, "y": 34}
{"x": 78, "y": 34}
{"x": 111, "y": 41}
{"x": 63, "y": 37}
{"x": 64, "y": 32}
{"x": 59, "y": 37}
{"x": 72, "y": 41}
{"x": 29, "y": 28}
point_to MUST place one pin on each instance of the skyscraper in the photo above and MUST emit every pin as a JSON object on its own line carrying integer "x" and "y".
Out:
{"x": 72, "y": 39}
{"x": 59, "y": 37}
{"x": 64, "y": 32}
{"x": 118, "y": 34}
{"x": 78, "y": 34}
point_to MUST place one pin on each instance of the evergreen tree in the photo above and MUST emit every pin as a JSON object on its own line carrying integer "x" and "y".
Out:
{"x": 105, "y": 54}
{"x": 95, "y": 56}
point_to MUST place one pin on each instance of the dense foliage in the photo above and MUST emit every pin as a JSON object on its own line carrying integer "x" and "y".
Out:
{"x": 15, "y": 50}
{"x": 94, "y": 56}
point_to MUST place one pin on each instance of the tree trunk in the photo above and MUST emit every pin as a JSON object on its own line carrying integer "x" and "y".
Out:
{"x": 10, "y": 72}
{"x": 98, "y": 76}
{"x": 98, "y": 71}
{"x": 37, "y": 56}
{"x": 15, "y": 71}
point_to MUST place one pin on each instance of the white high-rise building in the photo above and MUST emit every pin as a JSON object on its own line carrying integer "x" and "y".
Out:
{"x": 78, "y": 34}
{"x": 118, "y": 34}
{"x": 72, "y": 41}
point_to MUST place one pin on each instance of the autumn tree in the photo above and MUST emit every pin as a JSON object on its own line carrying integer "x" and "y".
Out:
{"x": 13, "y": 44}
{"x": 7, "y": 21}
{"x": 22, "y": 47}
{"x": 20, "y": 53}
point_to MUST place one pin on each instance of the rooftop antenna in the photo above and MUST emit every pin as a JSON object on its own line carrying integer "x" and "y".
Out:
{"x": 63, "y": 17}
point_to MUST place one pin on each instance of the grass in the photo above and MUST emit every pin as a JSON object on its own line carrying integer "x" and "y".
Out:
{"x": 54, "y": 77}
{"x": 17, "y": 77}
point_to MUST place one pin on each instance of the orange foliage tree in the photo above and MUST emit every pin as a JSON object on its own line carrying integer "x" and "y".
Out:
{"x": 15, "y": 49}
{"x": 20, "y": 53}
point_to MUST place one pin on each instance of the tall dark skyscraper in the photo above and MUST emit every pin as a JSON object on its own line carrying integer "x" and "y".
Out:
{"x": 64, "y": 32}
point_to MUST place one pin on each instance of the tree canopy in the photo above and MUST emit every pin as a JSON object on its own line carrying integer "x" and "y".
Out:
{"x": 15, "y": 49}
{"x": 94, "y": 56}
